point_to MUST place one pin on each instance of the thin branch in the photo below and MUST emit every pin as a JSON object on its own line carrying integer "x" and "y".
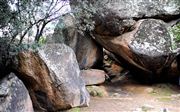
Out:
{"x": 41, "y": 31}
{"x": 23, "y": 35}
{"x": 50, "y": 5}
{"x": 14, "y": 36}
{"x": 53, "y": 7}
{"x": 58, "y": 9}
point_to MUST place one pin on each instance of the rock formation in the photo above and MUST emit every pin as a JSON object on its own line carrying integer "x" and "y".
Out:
{"x": 14, "y": 97}
{"x": 53, "y": 78}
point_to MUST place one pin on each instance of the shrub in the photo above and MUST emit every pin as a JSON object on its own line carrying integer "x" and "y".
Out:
{"x": 176, "y": 32}
{"x": 175, "y": 36}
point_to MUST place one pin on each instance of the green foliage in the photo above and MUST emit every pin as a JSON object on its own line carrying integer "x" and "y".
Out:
{"x": 84, "y": 14}
{"x": 96, "y": 91}
{"x": 163, "y": 90}
{"x": 22, "y": 19}
{"x": 176, "y": 32}
{"x": 4, "y": 12}
{"x": 146, "y": 108}
{"x": 9, "y": 51}
{"x": 75, "y": 109}
{"x": 165, "y": 99}
{"x": 28, "y": 18}
{"x": 42, "y": 41}
{"x": 26, "y": 47}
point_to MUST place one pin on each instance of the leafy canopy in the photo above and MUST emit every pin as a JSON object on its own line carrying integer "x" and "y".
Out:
{"x": 29, "y": 18}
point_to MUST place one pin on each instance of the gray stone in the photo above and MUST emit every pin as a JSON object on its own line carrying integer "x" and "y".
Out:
{"x": 136, "y": 8}
{"x": 88, "y": 53}
{"x": 14, "y": 96}
{"x": 146, "y": 50}
{"x": 53, "y": 78}
{"x": 144, "y": 8}
{"x": 61, "y": 61}
{"x": 93, "y": 76}
{"x": 152, "y": 39}
{"x": 115, "y": 17}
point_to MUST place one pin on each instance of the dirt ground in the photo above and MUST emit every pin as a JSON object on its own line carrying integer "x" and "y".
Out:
{"x": 130, "y": 96}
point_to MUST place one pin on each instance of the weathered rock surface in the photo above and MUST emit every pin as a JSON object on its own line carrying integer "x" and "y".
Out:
{"x": 53, "y": 78}
{"x": 136, "y": 8}
{"x": 145, "y": 50}
{"x": 88, "y": 52}
{"x": 93, "y": 76}
{"x": 114, "y": 17}
{"x": 14, "y": 96}
{"x": 144, "y": 8}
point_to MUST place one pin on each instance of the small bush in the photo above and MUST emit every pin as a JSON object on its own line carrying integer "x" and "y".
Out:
{"x": 84, "y": 14}
{"x": 175, "y": 31}
{"x": 175, "y": 36}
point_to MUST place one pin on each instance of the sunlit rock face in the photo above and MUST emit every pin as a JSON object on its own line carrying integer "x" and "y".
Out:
{"x": 143, "y": 8}
{"x": 136, "y": 8}
{"x": 152, "y": 38}
{"x": 146, "y": 50}
{"x": 52, "y": 76}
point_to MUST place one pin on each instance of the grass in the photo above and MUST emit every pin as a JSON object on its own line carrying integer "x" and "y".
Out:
{"x": 176, "y": 32}
{"x": 77, "y": 109}
{"x": 163, "y": 90}
{"x": 100, "y": 94}
{"x": 165, "y": 99}
{"x": 146, "y": 109}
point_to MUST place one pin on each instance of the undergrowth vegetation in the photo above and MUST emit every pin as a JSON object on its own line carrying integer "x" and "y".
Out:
{"x": 175, "y": 34}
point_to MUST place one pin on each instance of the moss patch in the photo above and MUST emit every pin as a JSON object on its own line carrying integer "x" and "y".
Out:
{"x": 163, "y": 90}
{"x": 165, "y": 99}
{"x": 77, "y": 109}
{"x": 96, "y": 91}
{"x": 146, "y": 108}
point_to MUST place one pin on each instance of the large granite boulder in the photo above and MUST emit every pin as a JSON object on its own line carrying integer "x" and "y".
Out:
{"x": 114, "y": 17}
{"x": 143, "y": 8}
{"x": 14, "y": 96}
{"x": 134, "y": 8}
{"x": 146, "y": 50}
{"x": 52, "y": 76}
{"x": 89, "y": 54}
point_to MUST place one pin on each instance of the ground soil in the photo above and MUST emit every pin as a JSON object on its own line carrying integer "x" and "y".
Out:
{"x": 130, "y": 96}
